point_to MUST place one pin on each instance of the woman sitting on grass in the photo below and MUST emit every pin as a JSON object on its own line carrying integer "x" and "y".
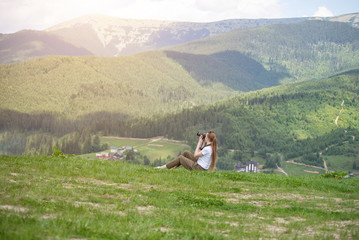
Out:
{"x": 204, "y": 157}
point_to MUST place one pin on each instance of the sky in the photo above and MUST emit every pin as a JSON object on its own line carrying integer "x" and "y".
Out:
{"x": 16, "y": 15}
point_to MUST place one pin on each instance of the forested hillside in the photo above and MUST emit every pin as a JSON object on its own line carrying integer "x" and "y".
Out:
{"x": 231, "y": 68}
{"x": 300, "y": 51}
{"x": 268, "y": 117}
{"x": 138, "y": 85}
{"x": 303, "y": 120}
{"x": 308, "y": 122}
{"x": 161, "y": 82}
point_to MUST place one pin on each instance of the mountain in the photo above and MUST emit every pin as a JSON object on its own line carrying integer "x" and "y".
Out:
{"x": 30, "y": 44}
{"x": 199, "y": 72}
{"x": 110, "y": 36}
{"x": 300, "y": 51}
{"x": 352, "y": 19}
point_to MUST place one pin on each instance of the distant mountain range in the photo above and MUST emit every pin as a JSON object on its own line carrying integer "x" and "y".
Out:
{"x": 109, "y": 36}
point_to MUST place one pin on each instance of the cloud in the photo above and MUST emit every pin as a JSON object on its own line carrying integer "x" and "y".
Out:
{"x": 323, "y": 12}
{"x": 16, "y": 15}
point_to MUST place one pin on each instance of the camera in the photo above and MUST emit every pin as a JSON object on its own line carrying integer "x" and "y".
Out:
{"x": 203, "y": 135}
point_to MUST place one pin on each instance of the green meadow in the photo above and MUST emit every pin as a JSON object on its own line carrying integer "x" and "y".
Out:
{"x": 153, "y": 148}
{"x": 44, "y": 197}
{"x": 295, "y": 170}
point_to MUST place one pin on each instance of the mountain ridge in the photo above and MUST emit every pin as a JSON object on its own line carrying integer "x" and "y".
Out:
{"x": 29, "y": 43}
{"x": 289, "y": 48}
{"x": 121, "y": 35}
{"x": 103, "y": 35}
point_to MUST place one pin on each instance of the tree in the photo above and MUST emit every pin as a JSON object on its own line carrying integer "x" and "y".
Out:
{"x": 96, "y": 144}
{"x": 146, "y": 161}
{"x": 87, "y": 145}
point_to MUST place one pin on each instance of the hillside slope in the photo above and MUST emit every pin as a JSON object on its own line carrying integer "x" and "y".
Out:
{"x": 295, "y": 120}
{"x": 138, "y": 85}
{"x": 45, "y": 197}
{"x": 30, "y": 44}
{"x": 302, "y": 51}
{"x": 351, "y": 18}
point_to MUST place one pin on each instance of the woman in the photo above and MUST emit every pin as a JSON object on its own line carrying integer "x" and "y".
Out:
{"x": 204, "y": 158}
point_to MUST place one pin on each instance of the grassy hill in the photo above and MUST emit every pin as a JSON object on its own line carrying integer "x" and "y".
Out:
{"x": 45, "y": 197}
{"x": 303, "y": 51}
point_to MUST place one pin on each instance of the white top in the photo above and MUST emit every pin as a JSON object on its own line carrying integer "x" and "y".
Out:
{"x": 205, "y": 160}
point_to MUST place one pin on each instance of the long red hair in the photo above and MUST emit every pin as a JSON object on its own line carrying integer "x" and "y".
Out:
{"x": 212, "y": 137}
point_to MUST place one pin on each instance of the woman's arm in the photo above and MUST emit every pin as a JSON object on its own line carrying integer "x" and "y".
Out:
{"x": 197, "y": 152}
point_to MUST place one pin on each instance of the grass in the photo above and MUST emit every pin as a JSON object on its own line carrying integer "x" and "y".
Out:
{"x": 343, "y": 163}
{"x": 153, "y": 148}
{"x": 296, "y": 170}
{"x": 45, "y": 198}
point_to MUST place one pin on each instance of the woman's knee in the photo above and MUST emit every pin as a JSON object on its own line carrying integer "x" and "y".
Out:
{"x": 187, "y": 153}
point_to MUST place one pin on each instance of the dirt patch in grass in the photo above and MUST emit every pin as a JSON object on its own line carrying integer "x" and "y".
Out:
{"x": 282, "y": 221}
{"x": 164, "y": 229}
{"x": 308, "y": 171}
{"x": 297, "y": 219}
{"x": 17, "y": 209}
{"x": 276, "y": 229}
{"x": 342, "y": 224}
{"x": 232, "y": 224}
{"x": 48, "y": 216}
{"x": 86, "y": 204}
{"x": 146, "y": 209}
{"x": 254, "y": 215}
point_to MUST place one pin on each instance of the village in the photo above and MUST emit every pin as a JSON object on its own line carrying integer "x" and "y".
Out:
{"x": 250, "y": 166}
{"x": 115, "y": 154}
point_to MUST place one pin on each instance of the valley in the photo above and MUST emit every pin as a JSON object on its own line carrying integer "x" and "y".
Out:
{"x": 276, "y": 92}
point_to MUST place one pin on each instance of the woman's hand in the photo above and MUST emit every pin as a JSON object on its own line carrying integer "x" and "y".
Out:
{"x": 197, "y": 152}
